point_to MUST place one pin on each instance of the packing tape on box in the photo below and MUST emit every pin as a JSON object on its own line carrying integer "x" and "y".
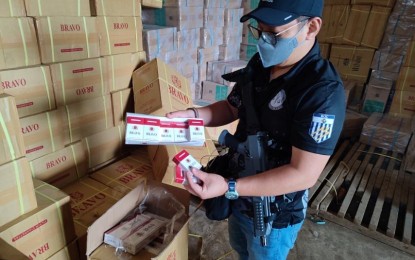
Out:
{"x": 47, "y": 86}
{"x": 11, "y": 8}
{"x": 76, "y": 162}
{"x": 39, "y": 5}
{"x": 62, "y": 83}
{"x": 8, "y": 138}
{"x": 26, "y": 56}
{"x": 136, "y": 33}
{"x": 404, "y": 83}
{"x": 108, "y": 35}
{"x": 86, "y": 36}
{"x": 104, "y": 12}
{"x": 19, "y": 187}
{"x": 58, "y": 206}
{"x": 52, "y": 44}
{"x": 52, "y": 141}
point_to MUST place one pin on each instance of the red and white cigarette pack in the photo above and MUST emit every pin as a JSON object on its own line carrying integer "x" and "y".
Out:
{"x": 184, "y": 161}
{"x": 136, "y": 233}
{"x": 148, "y": 130}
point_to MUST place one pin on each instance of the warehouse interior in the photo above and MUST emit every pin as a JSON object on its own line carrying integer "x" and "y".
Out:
{"x": 77, "y": 75}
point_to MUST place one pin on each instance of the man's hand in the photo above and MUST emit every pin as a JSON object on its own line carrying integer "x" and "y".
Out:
{"x": 212, "y": 185}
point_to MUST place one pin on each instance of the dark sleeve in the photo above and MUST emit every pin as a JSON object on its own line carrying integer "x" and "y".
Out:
{"x": 318, "y": 118}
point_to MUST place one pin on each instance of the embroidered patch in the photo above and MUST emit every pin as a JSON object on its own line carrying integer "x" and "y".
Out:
{"x": 321, "y": 127}
{"x": 277, "y": 102}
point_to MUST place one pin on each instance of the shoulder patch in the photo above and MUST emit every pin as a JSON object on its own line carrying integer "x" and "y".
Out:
{"x": 321, "y": 127}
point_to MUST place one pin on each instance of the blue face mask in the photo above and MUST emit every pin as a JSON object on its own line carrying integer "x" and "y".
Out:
{"x": 275, "y": 54}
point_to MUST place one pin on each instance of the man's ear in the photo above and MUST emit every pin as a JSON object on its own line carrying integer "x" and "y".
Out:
{"x": 314, "y": 26}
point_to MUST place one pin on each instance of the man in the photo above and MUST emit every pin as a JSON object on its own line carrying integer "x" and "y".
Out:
{"x": 300, "y": 103}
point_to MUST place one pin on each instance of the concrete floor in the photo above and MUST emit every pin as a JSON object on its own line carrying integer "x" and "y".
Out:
{"x": 208, "y": 240}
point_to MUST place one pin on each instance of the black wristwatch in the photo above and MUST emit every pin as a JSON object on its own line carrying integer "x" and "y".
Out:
{"x": 231, "y": 194}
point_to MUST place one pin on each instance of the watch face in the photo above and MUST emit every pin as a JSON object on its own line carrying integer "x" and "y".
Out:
{"x": 231, "y": 195}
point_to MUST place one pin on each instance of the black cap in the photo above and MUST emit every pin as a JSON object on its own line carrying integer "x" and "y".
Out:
{"x": 280, "y": 12}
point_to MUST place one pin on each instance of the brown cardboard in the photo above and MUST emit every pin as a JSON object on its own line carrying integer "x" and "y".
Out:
{"x": 62, "y": 167}
{"x": 67, "y": 38}
{"x": 325, "y": 50}
{"x": 406, "y": 80}
{"x": 349, "y": 87}
{"x": 76, "y": 81}
{"x": 44, "y": 133}
{"x": 120, "y": 69}
{"x": 159, "y": 89}
{"x": 410, "y": 55}
{"x": 45, "y": 230}
{"x": 356, "y": 24}
{"x": 184, "y": 17}
{"x": 387, "y": 3}
{"x": 105, "y": 145}
{"x": 9, "y": 252}
{"x": 164, "y": 168}
{"x": 336, "y": 23}
{"x": 122, "y": 102}
{"x": 70, "y": 252}
{"x": 403, "y": 103}
{"x": 410, "y": 156}
{"x": 89, "y": 201}
{"x": 157, "y": 39}
{"x": 387, "y": 131}
{"x": 17, "y": 194}
{"x": 20, "y": 48}
{"x": 116, "y": 7}
{"x": 14, "y": 8}
{"x": 152, "y": 3}
{"x": 375, "y": 26}
{"x": 352, "y": 62}
{"x": 32, "y": 88}
{"x": 57, "y": 8}
{"x": 176, "y": 249}
{"x": 376, "y": 97}
{"x": 89, "y": 117}
{"x": 11, "y": 138}
{"x": 119, "y": 34}
{"x": 124, "y": 175}
{"x": 353, "y": 124}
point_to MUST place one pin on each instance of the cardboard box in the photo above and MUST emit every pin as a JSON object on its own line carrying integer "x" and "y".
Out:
{"x": 353, "y": 124}
{"x": 17, "y": 190}
{"x": 207, "y": 54}
{"x": 406, "y": 80}
{"x": 352, "y": 62}
{"x": 77, "y": 81}
{"x": 337, "y": 17}
{"x": 177, "y": 3}
{"x": 410, "y": 156}
{"x": 45, "y": 230}
{"x": 57, "y": 8}
{"x": 12, "y": 8}
{"x": 211, "y": 37}
{"x": 11, "y": 139}
{"x": 184, "y": 17}
{"x": 216, "y": 69}
{"x": 388, "y": 132}
{"x": 188, "y": 39}
{"x": 389, "y": 62}
{"x": 119, "y": 34}
{"x": 164, "y": 203}
{"x": 159, "y": 89}
{"x": 247, "y": 51}
{"x": 122, "y": 103}
{"x": 152, "y": 3}
{"x": 403, "y": 103}
{"x": 230, "y": 52}
{"x": 31, "y": 87}
{"x": 232, "y": 17}
{"x": 44, "y": 133}
{"x": 120, "y": 69}
{"x": 116, "y": 7}
{"x": 213, "y": 17}
{"x": 410, "y": 55}
{"x": 67, "y": 38}
{"x": 376, "y": 97}
{"x": 9, "y": 252}
{"x": 20, "y": 48}
{"x": 165, "y": 169}
{"x": 388, "y": 3}
{"x": 356, "y": 24}
{"x": 227, "y": 4}
{"x": 105, "y": 145}
{"x": 349, "y": 88}
{"x": 125, "y": 174}
{"x": 375, "y": 26}
{"x": 70, "y": 251}
{"x": 89, "y": 117}
{"x": 157, "y": 39}
{"x": 62, "y": 167}
{"x": 212, "y": 91}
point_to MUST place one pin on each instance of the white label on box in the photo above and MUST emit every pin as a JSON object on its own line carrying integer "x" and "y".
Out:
{"x": 179, "y": 130}
{"x": 151, "y": 129}
{"x": 196, "y": 130}
{"x": 166, "y": 131}
{"x": 135, "y": 128}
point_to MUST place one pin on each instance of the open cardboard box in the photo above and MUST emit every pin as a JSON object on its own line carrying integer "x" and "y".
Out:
{"x": 160, "y": 202}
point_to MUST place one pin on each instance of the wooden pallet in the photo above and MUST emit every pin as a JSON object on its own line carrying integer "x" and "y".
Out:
{"x": 366, "y": 189}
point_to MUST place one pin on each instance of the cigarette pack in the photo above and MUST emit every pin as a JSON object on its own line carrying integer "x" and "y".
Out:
{"x": 184, "y": 162}
{"x": 135, "y": 233}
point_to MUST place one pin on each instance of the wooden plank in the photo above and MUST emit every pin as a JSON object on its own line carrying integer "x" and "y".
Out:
{"x": 338, "y": 182}
{"x": 353, "y": 186}
{"x": 374, "y": 221}
{"x": 409, "y": 216}
{"x": 365, "y": 231}
{"x": 368, "y": 190}
{"x": 393, "y": 216}
{"x": 338, "y": 171}
{"x": 333, "y": 161}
